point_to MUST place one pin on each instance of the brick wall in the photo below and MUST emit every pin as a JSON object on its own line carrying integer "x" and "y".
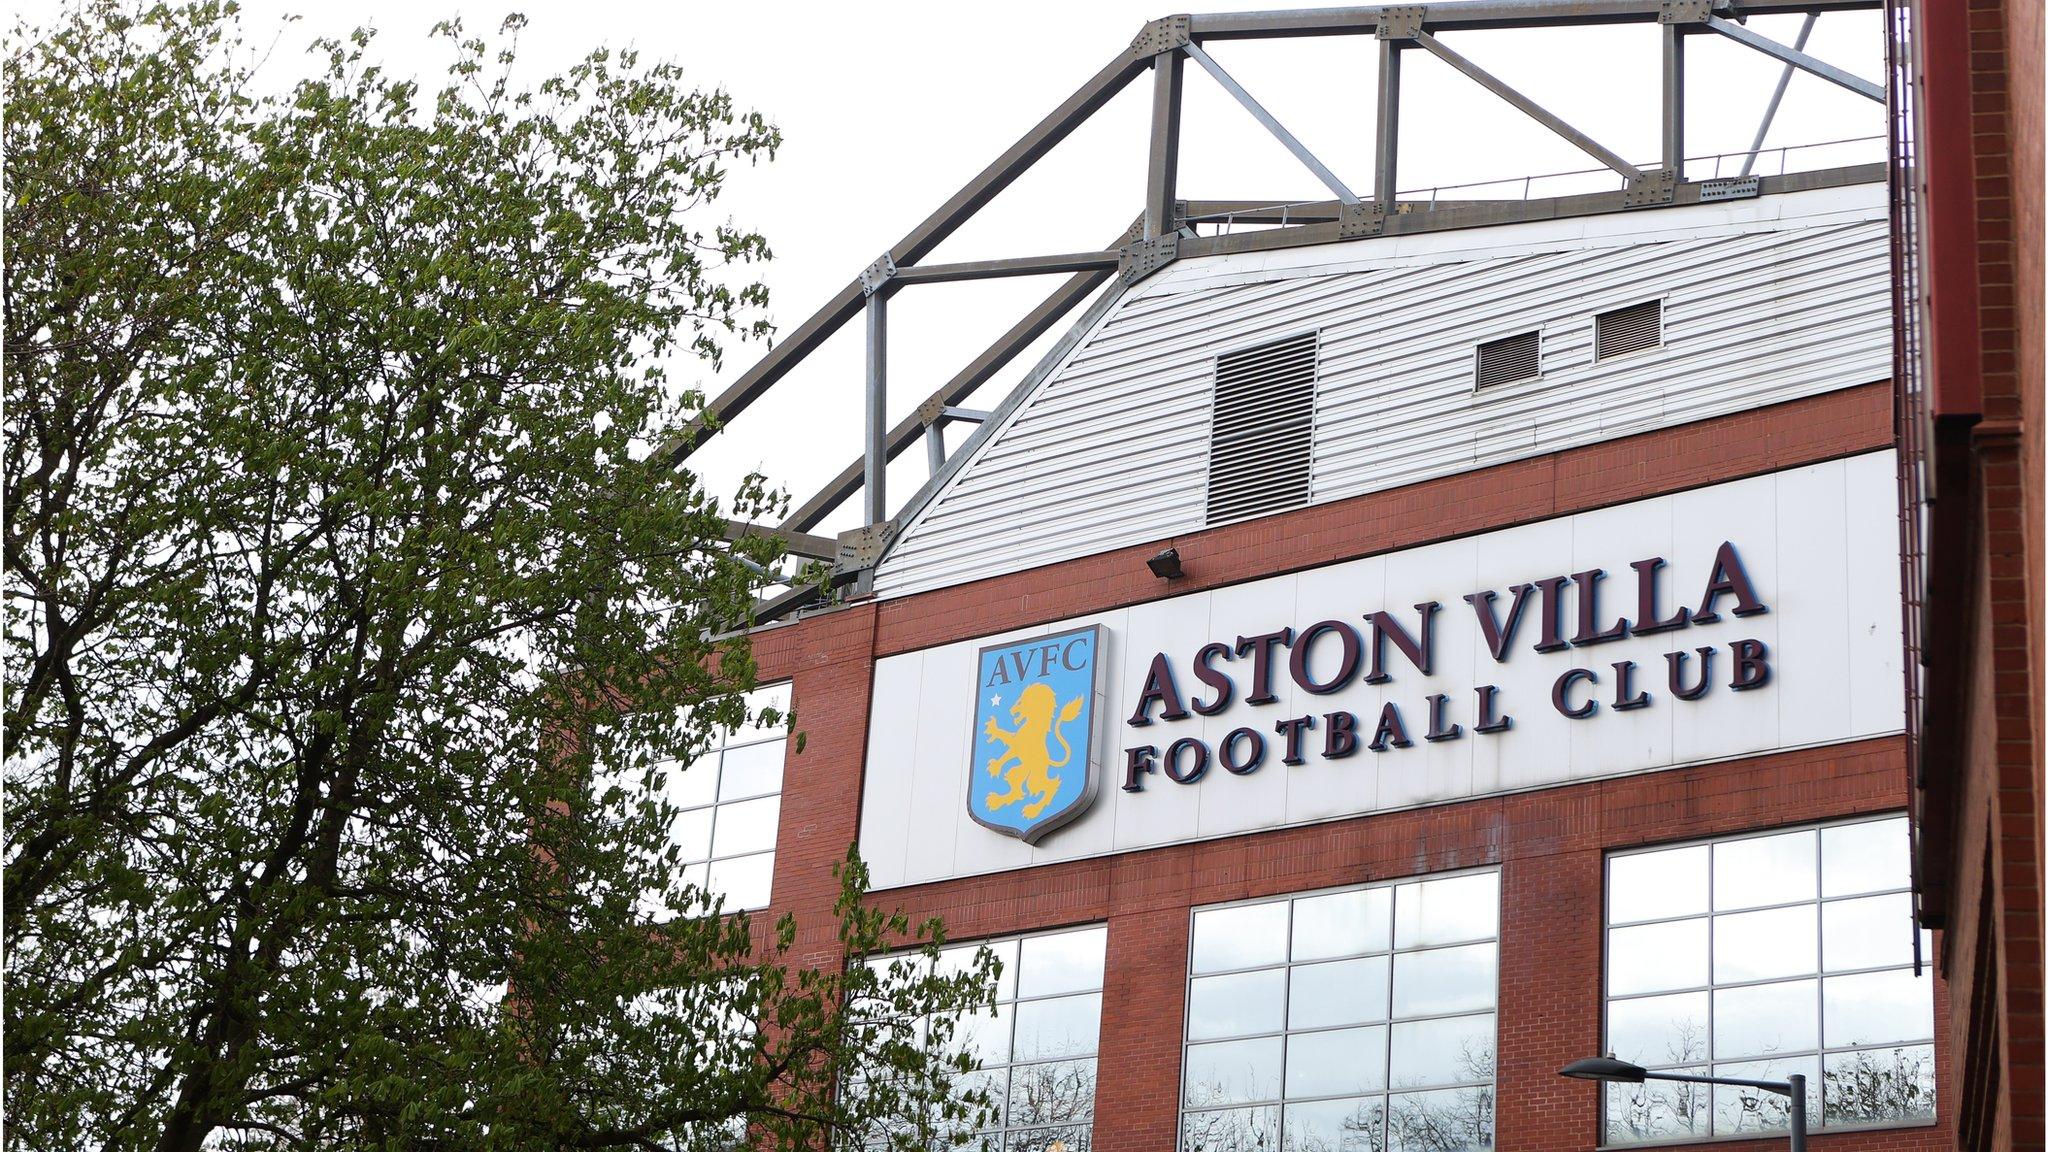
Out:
{"x": 1983, "y": 245}
{"x": 1708, "y": 452}
{"x": 1550, "y": 844}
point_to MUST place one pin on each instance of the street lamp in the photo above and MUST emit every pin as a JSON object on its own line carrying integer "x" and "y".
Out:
{"x": 1608, "y": 1070}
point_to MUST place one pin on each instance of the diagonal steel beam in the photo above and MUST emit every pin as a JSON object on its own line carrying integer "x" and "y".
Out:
{"x": 915, "y": 245}
{"x": 1763, "y": 129}
{"x": 1530, "y": 108}
{"x": 1797, "y": 59}
{"x": 783, "y": 603}
{"x": 1272, "y": 125}
{"x": 1006, "y": 348}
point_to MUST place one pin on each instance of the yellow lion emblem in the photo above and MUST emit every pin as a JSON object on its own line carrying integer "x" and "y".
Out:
{"x": 1026, "y": 752}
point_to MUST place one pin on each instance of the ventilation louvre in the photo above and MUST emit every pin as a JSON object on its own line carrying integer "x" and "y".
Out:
{"x": 1508, "y": 359}
{"x": 1261, "y": 427}
{"x": 1629, "y": 329}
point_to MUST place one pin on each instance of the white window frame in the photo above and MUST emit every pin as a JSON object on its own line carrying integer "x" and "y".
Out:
{"x": 1384, "y": 1095}
{"x": 1817, "y": 1108}
{"x": 998, "y": 1138}
{"x": 697, "y": 869}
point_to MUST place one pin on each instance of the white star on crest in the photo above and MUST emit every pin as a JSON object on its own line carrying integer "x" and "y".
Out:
{"x": 995, "y": 701}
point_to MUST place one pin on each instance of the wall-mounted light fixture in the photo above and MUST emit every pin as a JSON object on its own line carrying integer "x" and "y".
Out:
{"x": 1166, "y": 565}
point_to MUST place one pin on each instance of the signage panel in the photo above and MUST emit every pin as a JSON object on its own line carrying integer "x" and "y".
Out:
{"x": 1033, "y": 767}
{"x": 1746, "y": 617}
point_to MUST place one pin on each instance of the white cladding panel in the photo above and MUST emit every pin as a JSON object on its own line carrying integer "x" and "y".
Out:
{"x": 1764, "y": 301}
{"x": 1820, "y": 544}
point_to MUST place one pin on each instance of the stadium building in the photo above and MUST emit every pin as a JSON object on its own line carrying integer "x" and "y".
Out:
{"x": 1387, "y": 651}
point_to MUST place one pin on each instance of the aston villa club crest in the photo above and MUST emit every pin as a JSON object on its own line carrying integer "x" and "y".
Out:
{"x": 1033, "y": 766}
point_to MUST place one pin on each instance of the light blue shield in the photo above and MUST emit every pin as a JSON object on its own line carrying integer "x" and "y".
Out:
{"x": 1033, "y": 766}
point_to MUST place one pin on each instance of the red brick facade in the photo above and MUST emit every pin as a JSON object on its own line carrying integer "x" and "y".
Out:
{"x": 1979, "y": 252}
{"x": 1550, "y": 845}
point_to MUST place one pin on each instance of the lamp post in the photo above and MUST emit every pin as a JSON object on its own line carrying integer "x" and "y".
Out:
{"x": 1608, "y": 1070}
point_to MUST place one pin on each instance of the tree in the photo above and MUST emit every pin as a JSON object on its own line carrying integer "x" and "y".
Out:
{"x": 333, "y": 570}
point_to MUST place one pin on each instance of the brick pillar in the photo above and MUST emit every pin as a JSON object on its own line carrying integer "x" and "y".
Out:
{"x": 829, "y": 661}
{"x": 1144, "y": 993}
{"x": 1550, "y": 999}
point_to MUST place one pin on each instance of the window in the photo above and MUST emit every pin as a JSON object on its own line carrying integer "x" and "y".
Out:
{"x": 1358, "y": 1020}
{"x": 730, "y": 799}
{"x": 1035, "y": 1054}
{"x": 1508, "y": 359}
{"x": 1760, "y": 957}
{"x": 1631, "y": 329}
{"x": 1261, "y": 428}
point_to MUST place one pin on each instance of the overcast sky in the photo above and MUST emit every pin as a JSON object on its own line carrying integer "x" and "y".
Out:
{"x": 888, "y": 108}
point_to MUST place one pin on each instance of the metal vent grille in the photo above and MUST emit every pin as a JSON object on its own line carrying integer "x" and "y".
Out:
{"x": 1629, "y": 329}
{"x": 1508, "y": 359}
{"x": 1261, "y": 428}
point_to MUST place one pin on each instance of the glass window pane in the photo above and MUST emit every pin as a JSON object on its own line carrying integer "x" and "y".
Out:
{"x": 1444, "y": 980}
{"x": 1064, "y": 1026}
{"x": 1880, "y": 1086}
{"x": 1427, "y": 1053}
{"x": 1877, "y": 1008}
{"x": 1343, "y": 924}
{"x": 1240, "y": 1004}
{"x": 1449, "y": 911}
{"x": 1762, "y": 1019}
{"x": 692, "y": 784}
{"x": 1452, "y": 1121}
{"x": 692, "y": 834}
{"x": 1744, "y": 1111}
{"x": 1659, "y": 1030}
{"x": 748, "y": 826}
{"x": 1069, "y": 1139}
{"x": 1339, "y": 992}
{"x": 774, "y": 696}
{"x": 1868, "y": 857}
{"x": 697, "y": 876}
{"x": 1339, "y": 984}
{"x": 1657, "y": 1110}
{"x": 957, "y": 958}
{"x": 1871, "y": 932}
{"x": 1657, "y": 885}
{"x": 743, "y": 882}
{"x": 983, "y": 1034}
{"x": 1811, "y": 946}
{"x": 1233, "y": 1072}
{"x": 1234, "y": 1130}
{"x": 1242, "y": 937}
{"x": 1762, "y": 945}
{"x": 1062, "y": 962}
{"x": 1050, "y": 1093}
{"x": 1332, "y": 1063}
{"x": 1764, "y": 870}
{"x": 1337, "y": 1126}
{"x": 751, "y": 770}
{"x": 994, "y": 1083}
{"x": 1657, "y": 957}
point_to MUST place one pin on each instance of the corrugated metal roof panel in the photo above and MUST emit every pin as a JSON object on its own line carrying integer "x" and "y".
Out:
{"x": 1113, "y": 448}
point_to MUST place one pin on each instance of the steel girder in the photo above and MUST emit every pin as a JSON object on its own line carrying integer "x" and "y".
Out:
{"x": 1163, "y": 231}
